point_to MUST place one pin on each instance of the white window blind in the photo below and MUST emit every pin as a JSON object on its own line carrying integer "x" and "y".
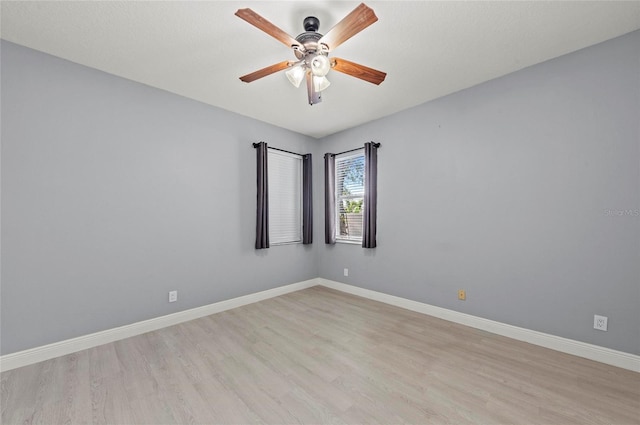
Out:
{"x": 285, "y": 197}
{"x": 349, "y": 196}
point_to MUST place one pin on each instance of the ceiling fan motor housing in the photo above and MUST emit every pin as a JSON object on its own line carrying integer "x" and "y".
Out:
{"x": 309, "y": 38}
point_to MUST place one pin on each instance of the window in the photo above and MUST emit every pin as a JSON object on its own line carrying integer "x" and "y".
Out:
{"x": 349, "y": 184}
{"x": 285, "y": 197}
{"x": 351, "y": 196}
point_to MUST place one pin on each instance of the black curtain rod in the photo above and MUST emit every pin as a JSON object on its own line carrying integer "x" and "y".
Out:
{"x": 255, "y": 145}
{"x": 376, "y": 145}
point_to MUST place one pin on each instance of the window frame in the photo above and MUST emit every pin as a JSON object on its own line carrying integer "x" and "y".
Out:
{"x": 274, "y": 238}
{"x": 339, "y": 198}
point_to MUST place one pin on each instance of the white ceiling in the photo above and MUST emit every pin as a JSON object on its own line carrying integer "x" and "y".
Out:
{"x": 198, "y": 49}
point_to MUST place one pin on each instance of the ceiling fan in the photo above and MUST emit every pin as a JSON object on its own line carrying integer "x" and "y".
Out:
{"x": 312, "y": 51}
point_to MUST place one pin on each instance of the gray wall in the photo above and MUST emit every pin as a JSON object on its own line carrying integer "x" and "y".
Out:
{"x": 524, "y": 191}
{"x": 114, "y": 193}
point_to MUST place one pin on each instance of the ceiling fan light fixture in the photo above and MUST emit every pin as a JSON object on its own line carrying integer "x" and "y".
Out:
{"x": 296, "y": 74}
{"x": 320, "y": 65}
{"x": 320, "y": 83}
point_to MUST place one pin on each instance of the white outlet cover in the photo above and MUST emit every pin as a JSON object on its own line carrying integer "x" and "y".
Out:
{"x": 600, "y": 322}
{"x": 173, "y": 296}
{"x": 346, "y": 272}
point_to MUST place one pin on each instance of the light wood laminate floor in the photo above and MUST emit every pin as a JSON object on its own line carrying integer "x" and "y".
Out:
{"x": 320, "y": 356}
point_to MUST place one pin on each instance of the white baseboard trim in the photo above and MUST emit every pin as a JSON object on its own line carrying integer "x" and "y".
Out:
{"x": 565, "y": 345}
{"x": 582, "y": 349}
{"x": 57, "y": 349}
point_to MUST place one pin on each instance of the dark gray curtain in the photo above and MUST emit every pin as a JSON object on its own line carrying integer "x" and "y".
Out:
{"x": 329, "y": 198}
{"x": 370, "y": 194}
{"x": 262, "y": 210}
{"x": 307, "y": 200}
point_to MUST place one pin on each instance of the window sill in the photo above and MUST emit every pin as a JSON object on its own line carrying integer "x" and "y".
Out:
{"x": 285, "y": 243}
{"x": 349, "y": 242}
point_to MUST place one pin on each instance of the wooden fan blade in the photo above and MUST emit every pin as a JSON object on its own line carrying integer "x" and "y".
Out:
{"x": 259, "y": 22}
{"x": 265, "y": 71}
{"x": 359, "y": 18}
{"x": 359, "y": 71}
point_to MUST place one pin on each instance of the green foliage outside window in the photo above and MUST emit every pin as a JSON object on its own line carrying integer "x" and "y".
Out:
{"x": 354, "y": 206}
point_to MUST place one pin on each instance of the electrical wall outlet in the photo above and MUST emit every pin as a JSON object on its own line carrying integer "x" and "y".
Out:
{"x": 462, "y": 294}
{"x": 173, "y": 296}
{"x": 600, "y": 322}
{"x": 346, "y": 272}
